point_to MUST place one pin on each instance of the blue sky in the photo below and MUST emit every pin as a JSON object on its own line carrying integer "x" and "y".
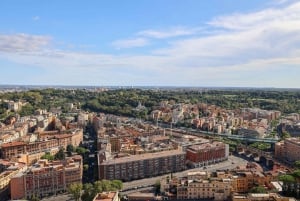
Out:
{"x": 234, "y": 43}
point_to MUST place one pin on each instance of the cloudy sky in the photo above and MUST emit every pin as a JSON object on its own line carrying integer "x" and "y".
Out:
{"x": 151, "y": 42}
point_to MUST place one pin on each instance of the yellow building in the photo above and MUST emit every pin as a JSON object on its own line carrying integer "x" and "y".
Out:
{"x": 201, "y": 185}
{"x": 244, "y": 181}
{"x": 215, "y": 185}
{"x": 261, "y": 197}
{"x": 9, "y": 169}
{"x": 220, "y": 189}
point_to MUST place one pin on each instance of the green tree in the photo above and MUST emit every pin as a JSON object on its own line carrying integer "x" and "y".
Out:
{"x": 261, "y": 145}
{"x": 70, "y": 148}
{"x": 60, "y": 155}
{"x": 75, "y": 190}
{"x": 33, "y": 97}
{"x": 98, "y": 187}
{"x": 81, "y": 150}
{"x": 85, "y": 167}
{"x": 296, "y": 174}
{"x": 297, "y": 164}
{"x": 157, "y": 187}
{"x": 117, "y": 184}
{"x": 287, "y": 178}
{"x": 88, "y": 192}
{"x": 285, "y": 135}
{"x": 27, "y": 110}
{"x": 106, "y": 185}
{"x": 48, "y": 156}
{"x": 34, "y": 198}
{"x": 258, "y": 189}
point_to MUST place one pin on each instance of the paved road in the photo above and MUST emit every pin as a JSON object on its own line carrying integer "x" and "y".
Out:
{"x": 144, "y": 184}
{"x": 231, "y": 163}
{"x": 61, "y": 197}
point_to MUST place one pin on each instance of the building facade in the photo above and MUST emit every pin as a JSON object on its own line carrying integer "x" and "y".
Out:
{"x": 288, "y": 150}
{"x": 207, "y": 153}
{"x": 46, "y": 178}
{"x": 213, "y": 185}
{"x": 219, "y": 189}
{"x": 199, "y": 185}
{"x": 45, "y": 144}
{"x": 115, "y": 144}
{"x": 260, "y": 197}
{"x": 142, "y": 166}
{"x": 8, "y": 170}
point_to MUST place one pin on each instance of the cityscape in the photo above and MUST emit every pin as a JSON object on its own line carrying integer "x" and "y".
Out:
{"x": 150, "y": 100}
{"x": 175, "y": 149}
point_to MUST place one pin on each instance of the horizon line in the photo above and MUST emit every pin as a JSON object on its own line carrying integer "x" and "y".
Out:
{"x": 142, "y": 86}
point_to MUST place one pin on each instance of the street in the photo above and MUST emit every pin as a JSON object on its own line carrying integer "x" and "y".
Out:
{"x": 231, "y": 163}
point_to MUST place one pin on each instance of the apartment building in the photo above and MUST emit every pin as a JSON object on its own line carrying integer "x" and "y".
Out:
{"x": 243, "y": 181}
{"x": 288, "y": 150}
{"x": 261, "y": 197}
{"x": 214, "y": 185}
{"x": 207, "y": 153}
{"x": 279, "y": 150}
{"x": 46, "y": 178}
{"x": 13, "y": 150}
{"x": 255, "y": 113}
{"x": 219, "y": 189}
{"x": 115, "y": 142}
{"x": 142, "y": 166}
{"x": 9, "y": 169}
{"x": 14, "y": 106}
{"x": 107, "y": 196}
{"x": 200, "y": 185}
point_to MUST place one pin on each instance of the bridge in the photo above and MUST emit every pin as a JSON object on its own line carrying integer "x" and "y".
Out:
{"x": 266, "y": 157}
{"x": 229, "y": 136}
{"x": 243, "y": 138}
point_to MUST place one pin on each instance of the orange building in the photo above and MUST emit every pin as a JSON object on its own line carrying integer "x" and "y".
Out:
{"x": 46, "y": 178}
{"x": 279, "y": 150}
{"x": 46, "y": 143}
{"x": 115, "y": 144}
{"x": 207, "y": 153}
{"x": 245, "y": 180}
{"x": 107, "y": 196}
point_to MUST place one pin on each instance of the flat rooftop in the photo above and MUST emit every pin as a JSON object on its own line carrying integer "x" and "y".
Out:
{"x": 197, "y": 173}
{"x": 143, "y": 157}
{"x": 105, "y": 196}
{"x": 213, "y": 145}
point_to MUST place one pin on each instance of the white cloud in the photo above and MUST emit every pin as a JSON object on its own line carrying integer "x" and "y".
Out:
{"x": 266, "y": 34}
{"x": 23, "y": 42}
{"x": 254, "y": 49}
{"x": 172, "y": 32}
{"x": 129, "y": 43}
{"x": 282, "y": 2}
{"x": 143, "y": 37}
{"x": 240, "y": 21}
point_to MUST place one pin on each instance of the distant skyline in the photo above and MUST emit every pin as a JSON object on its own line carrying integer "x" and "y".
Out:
{"x": 216, "y": 43}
